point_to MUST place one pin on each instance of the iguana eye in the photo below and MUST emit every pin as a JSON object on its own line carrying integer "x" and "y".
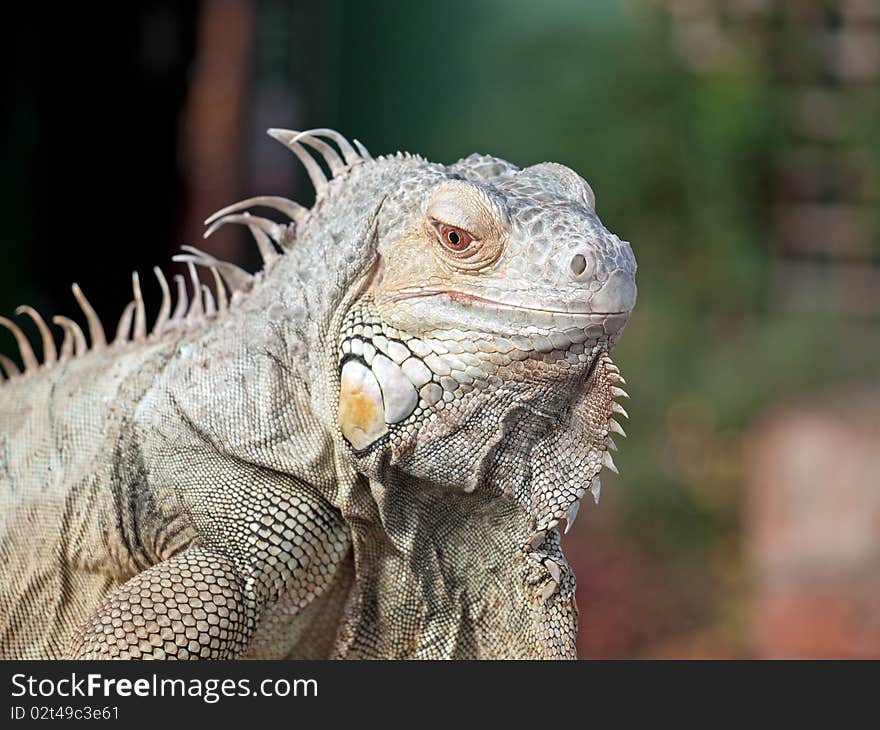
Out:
{"x": 455, "y": 239}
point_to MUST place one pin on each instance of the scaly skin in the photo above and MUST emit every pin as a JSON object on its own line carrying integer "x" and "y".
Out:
{"x": 366, "y": 452}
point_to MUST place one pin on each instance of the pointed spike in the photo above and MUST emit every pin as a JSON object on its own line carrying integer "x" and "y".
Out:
{"x": 124, "y": 327}
{"x": 24, "y": 346}
{"x": 553, "y": 568}
{"x": 364, "y": 152}
{"x": 81, "y": 345}
{"x": 165, "y": 307}
{"x": 196, "y": 310}
{"x": 10, "y": 367}
{"x": 314, "y": 171}
{"x": 140, "y": 311}
{"x": 210, "y": 304}
{"x": 265, "y": 246}
{"x": 220, "y": 288}
{"x": 616, "y": 378}
{"x": 316, "y": 174}
{"x": 259, "y": 228}
{"x": 617, "y": 408}
{"x": 608, "y": 461}
{"x": 618, "y": 392}
{"x": 50, "y": 355}
{"x": 96, "y": 329}
{"x": 66, "y": 344}
{"x": 351, "y": 157}
{"x": 611, "y": 444}
{"x": 330, "y": 156}
{"x": 273, "y": 229}
{"x": 572, "y": 515}
{"x": 596, "y": 489}
{"x": 182, "y": 299}
{"x": 282, "y": 135}
{"x": 237, "y": 278}
{"x": 290, "y": 208}
{"x": 74, "y": 339}
{"x": 615, "y": 427}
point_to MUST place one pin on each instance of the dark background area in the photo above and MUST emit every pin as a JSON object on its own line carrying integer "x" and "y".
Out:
{"x": 736, "y": 144}
{"x": 92, "y": 189}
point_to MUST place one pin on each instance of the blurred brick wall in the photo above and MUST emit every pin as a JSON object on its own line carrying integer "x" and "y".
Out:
{"x": 823, "y": 58}
{"x": 813, "y": 529}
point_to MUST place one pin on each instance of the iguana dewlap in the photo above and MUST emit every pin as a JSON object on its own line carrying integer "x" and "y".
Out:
{"x": 367, "y": 449}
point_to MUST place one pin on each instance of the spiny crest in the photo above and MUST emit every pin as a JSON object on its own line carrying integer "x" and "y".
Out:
{"x": 562, "y": 500}
{"x": 230, "y": 281}
{"x": 132, "y": 325}
{"x": 340, "y": 160}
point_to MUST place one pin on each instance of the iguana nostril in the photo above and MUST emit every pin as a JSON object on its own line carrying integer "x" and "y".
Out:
{"x": 578, "y": 264}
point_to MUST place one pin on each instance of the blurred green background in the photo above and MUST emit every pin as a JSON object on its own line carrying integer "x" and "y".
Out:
{"x": 736, "y": 144}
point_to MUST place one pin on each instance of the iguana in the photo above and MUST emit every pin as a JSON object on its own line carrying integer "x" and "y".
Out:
{"x": 364, "y": 450}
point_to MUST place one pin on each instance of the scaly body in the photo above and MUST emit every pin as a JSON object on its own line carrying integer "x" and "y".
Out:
{"x": 364, "y": 450}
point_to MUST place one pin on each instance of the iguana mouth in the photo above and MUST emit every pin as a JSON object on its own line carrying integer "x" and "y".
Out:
{"x": 456, "y": 296}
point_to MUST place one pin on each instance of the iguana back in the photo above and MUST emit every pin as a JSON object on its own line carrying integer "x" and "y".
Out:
{"x": 70, "y": 509}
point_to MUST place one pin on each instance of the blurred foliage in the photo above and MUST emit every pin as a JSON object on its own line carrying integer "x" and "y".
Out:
{"x": 679, "y": 164}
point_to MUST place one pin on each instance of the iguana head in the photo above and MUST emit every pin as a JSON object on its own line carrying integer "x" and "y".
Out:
{"x": 518, "y": 253}
{"x": 489, "y": 283}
